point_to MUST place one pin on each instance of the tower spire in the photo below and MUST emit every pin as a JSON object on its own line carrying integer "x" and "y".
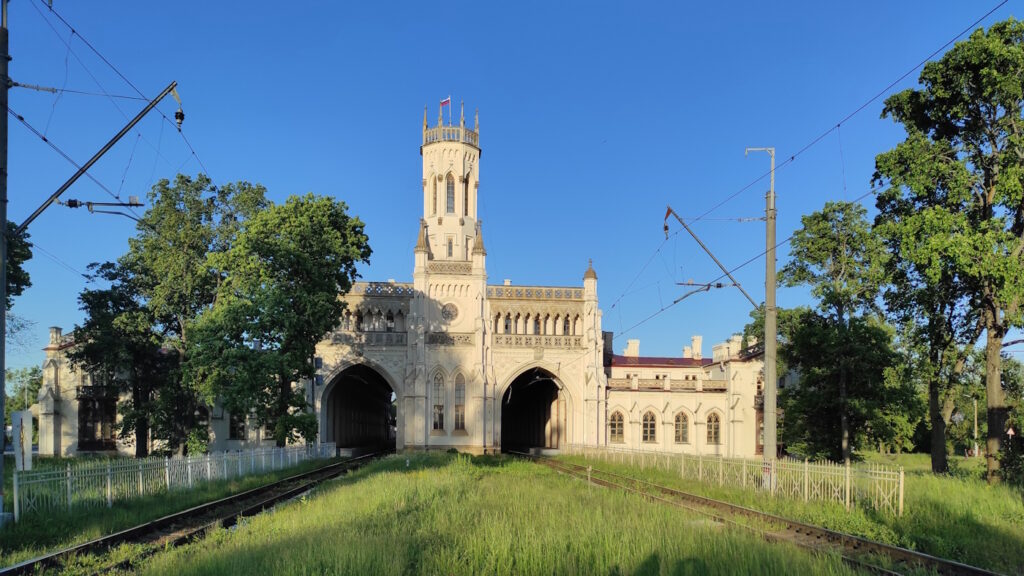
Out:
{"x": 424, "y": 118}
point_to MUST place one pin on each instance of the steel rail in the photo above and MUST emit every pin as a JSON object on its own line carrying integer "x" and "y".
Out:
{"x": 225, "y": 512}
{"x": 803, "y": 534}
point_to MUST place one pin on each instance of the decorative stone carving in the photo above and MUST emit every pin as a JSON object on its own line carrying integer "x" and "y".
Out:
{"x": 450, "y": 312}
{"x": 449, "y": 339}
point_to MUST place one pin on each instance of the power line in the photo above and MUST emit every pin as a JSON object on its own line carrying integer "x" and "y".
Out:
{"x": 129, "y": 82}
{"x": 53, "y": 257}
{"x": 849, "y": 116}
{"x": 59, "y": 151}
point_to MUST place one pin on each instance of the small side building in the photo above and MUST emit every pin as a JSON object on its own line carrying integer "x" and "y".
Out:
{"x": 693, "y": 405}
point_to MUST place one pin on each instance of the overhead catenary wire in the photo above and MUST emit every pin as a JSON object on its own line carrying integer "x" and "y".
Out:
{"x": 792, "y": 158}
{"x": 88, "y": 44}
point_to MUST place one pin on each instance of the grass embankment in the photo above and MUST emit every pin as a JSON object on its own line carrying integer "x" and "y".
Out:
{"x": 37, "y": 534}
{"x": 956, "y": 516}
{"x": 456, "y": 515}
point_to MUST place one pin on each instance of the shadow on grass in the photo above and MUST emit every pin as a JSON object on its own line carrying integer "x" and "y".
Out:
{"x": 37, "y": 534}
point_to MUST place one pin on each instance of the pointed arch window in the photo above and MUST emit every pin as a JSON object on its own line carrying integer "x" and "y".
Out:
{"x": 460, "y": 402}
{"x": 616, "y": 429}
{"x": 450, "y": 205}
{"x": 465, "y": 197}
{"x": 451, "y": 247}
{"x": 438, "y": 402}
{"x": 536, "y": 325}
{"x": 566, "y": 328}
{"x": 650, "y": 427}
{"x": 714, "y": 429}
{"x": 508, "y": 324}
{"x": 389, "y": 323}
{"x": 433, "y": 206}
{"x": 682, "y": 429}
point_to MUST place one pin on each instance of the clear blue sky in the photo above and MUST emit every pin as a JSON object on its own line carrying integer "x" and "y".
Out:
{"x": 594, "y": 116}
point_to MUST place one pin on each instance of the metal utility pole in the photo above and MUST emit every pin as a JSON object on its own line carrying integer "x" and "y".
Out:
{"x": 5, "y": 83}
{"x": 770, "y": 331}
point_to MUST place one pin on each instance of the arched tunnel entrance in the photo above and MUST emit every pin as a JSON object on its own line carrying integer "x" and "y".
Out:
{"x": 532, "y": 412}
{"x": 360, "y": 410}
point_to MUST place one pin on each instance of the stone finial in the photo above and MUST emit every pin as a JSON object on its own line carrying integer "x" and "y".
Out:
{"x": 421, "y": 238}
{"x": 462, "y": 114}
{"x": 476, "y": 121}
{"x": 590, "y": 274}
{"x": 478, "y": 246}
{"x": 424, "y": 118}
{"x": 440, "y": 115}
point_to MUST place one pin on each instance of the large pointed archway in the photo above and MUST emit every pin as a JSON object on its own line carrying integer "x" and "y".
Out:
{"x": 359, "y": 410}
{"x": 533, "y": 412}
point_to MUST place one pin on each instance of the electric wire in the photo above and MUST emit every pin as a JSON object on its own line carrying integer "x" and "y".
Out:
{"x": 129, "y": 82}
{"x": 62, "y": 263}
{"x": 99, "y": 84}
{"x": 792, "y": 158}
{"x": 57, "y": 149}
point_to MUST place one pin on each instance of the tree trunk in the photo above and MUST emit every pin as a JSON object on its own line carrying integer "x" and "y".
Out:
{"x": 141, "y": 424}
{"x": 940, "y": 464}
{"x": 996, "y": 399}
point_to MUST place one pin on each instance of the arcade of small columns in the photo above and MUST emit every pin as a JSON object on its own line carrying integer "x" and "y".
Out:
{"x": 552, "y": 322}
{"x": 369, "y": 318}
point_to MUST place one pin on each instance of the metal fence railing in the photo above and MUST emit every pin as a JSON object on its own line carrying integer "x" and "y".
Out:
{"x": 869, "y": 485}
{"x": 94, "y": 482}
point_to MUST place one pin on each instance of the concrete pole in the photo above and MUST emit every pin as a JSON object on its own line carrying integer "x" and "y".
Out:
{"x": 5, "y": 83}
{"x": 770, "y": 312}
{"x": 975, "y": 427}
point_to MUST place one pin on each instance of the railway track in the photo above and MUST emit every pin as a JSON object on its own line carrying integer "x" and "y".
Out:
{"x": 856, "y": 551}
{"x": 187, "y": 525}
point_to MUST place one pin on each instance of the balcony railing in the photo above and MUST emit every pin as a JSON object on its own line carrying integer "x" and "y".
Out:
{"x": 537, "y": 341}
{"x": 451, "y": 134}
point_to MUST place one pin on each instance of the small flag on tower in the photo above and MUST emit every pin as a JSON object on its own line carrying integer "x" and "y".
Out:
{"x": 446, "y": 102}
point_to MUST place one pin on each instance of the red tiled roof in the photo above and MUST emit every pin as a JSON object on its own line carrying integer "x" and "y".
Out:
{"x": 659, "y": 361}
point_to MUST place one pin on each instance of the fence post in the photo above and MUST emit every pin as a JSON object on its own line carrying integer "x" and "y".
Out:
{"x": 772, "y": 476}
{"x": 899, "y": 512}
{"x": 721, "y": 478}
{"x": 17, "y": 504}
{"x": 167, "y": 472}
{"x": 743, "y": 465}
{"x": 847, "y": 492}
{"x": 140, "y": 477}
{"x": 110, "y": 491}
{"x": 69, "y": 485}
{"x": 682, "y": 465}
{"x": 209, "y": 469}
{"x": 240, "y": 464}
{"x": 807, "y": 481}
{"x": 224, "y": 463}
{"x": 700, "y": 467}
{"x": 188, "y": 468}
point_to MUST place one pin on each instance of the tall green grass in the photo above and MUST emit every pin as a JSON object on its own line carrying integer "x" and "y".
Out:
{"x": 457, "y": 515}
{"x": 956, "y": 516}
{"x": 37, "y": 534}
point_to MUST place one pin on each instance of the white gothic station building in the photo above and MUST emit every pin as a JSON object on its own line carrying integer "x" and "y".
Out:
{"x": 450, "y": 360}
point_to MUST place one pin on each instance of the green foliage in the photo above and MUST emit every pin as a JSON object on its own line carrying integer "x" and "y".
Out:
{"x": 19, "y": 251}
{"x": 843, "y": 396}
{"x": 24, "y": 385}
{"x": 171, "y": 265}
{"x": 118, "y": 346}
{"x": 278, "y": 298}
{"x": 952, "y": 207}
{"x": 455, "y": 515}
{"x": 879, "y": 404}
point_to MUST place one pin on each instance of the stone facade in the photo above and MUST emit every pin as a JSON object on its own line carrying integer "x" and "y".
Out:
{"x": 452, "y": 361}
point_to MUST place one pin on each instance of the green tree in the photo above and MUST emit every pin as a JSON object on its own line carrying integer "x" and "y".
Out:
{"x": 173, "y": 265}
{"x": 24, "y": 385}
{"x": 856, "y": 355}
{"x": 836, "y": 254}
{"x": 118, "y": 346}
{"x": 962, "y": 162}
{"x": 280, "y": 297}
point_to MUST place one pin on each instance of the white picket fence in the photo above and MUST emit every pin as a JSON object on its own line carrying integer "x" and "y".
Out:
{"x": 868, "y": 485}
{"x": 90, "y": 482}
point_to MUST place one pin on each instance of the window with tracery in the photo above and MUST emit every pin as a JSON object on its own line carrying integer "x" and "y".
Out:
{"x": 650, "y": 427}
{"x": 714, "y": 429}
{"x": 433, "y": 206}
{"x": 460, "y": 402}
{"x": 682, "y": 429}
{"x": 450, "y": 208}
{"x": 616, "y": 429}
{"x": 438, "y": 402}
{"x": 465, "y": 198}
